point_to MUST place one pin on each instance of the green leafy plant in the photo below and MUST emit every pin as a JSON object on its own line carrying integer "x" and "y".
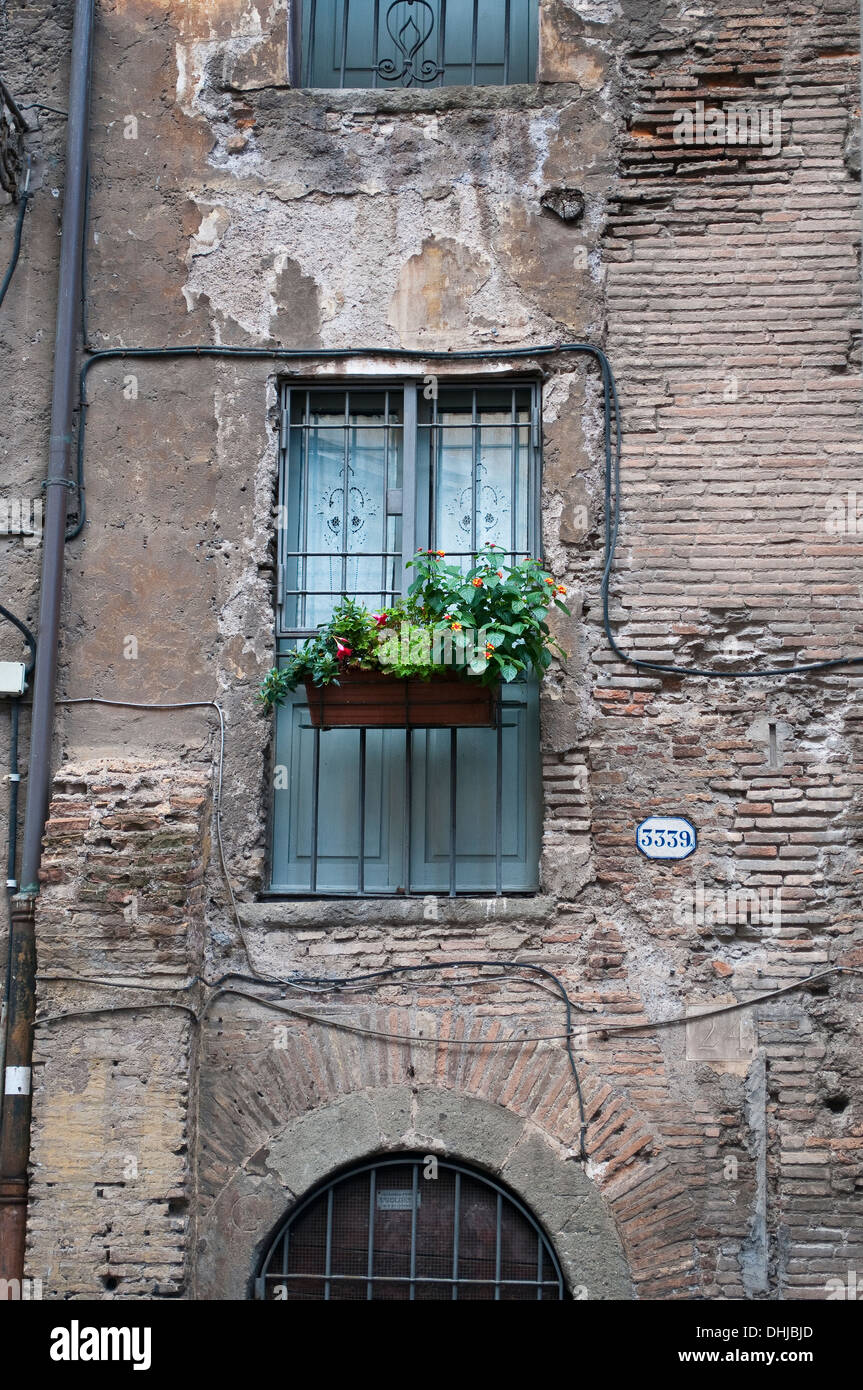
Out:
{"x": 350, "y": 636}
{"x": 507, "y": 604}
{"x": 487, "y": 624}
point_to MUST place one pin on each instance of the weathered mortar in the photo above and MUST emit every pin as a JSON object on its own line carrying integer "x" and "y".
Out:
{"x": 248, "y": 212}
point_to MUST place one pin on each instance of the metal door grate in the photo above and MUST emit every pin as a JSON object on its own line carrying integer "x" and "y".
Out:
{"x": 386, "y": 1231}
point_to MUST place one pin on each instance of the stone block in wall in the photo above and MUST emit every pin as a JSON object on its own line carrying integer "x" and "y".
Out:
{"x": 565, "y": 53}
{"x": 122, "y": 869}
{"x": 234, "y": 44}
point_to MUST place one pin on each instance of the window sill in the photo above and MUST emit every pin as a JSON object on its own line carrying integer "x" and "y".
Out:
{"x": 516, "y": 96}
{"x": 301, "y": 914}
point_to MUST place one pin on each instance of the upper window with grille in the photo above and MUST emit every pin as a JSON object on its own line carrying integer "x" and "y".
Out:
{"x": 429, "y": 43}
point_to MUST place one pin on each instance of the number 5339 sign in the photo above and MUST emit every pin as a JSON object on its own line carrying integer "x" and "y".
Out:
{"x": 666, "y": 837}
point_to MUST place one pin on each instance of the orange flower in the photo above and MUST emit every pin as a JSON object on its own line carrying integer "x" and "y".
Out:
{"x": 441, "y": 553}
{"x": 561, "y": 589}
{"x": 456, "y": 627}
{"x": 500, "y": 574}
{"x": 477, "y": 583}
{"x": 548, "y": 580}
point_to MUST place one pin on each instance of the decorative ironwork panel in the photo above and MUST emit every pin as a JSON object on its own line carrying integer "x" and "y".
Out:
{"x": 389, "y": 43}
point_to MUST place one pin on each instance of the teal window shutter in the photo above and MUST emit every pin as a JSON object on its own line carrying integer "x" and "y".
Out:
{"x": 402, "y": 43}
{"x": 367, "y": 476}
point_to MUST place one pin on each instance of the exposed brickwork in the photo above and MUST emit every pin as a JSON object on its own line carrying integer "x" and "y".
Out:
{"x": 125, "y": 852}
{"x": 733, "y": 304}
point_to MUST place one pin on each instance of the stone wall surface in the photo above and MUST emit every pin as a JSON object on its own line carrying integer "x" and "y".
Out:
{"x": 722, "y": 277}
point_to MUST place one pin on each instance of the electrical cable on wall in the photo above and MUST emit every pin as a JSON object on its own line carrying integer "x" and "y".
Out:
{"x": 10, "y": 175}
{"x": 538, "y": 970}
{"x": 26, "y": 633}
{"x": 603, "y": 1027}
{"x": 612, "y": 444}
{"x": 23, "y": 200}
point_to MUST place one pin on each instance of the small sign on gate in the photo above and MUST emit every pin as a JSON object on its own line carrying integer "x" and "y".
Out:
{"x": 396, "y": 1199}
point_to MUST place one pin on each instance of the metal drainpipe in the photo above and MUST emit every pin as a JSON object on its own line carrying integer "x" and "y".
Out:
{"x": 11, "y": 880}
{"x": 15, "y": 1136}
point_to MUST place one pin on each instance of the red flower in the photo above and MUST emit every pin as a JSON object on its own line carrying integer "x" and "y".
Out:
{"x": 342, "y": 651}
{"x": 380, "y": 619}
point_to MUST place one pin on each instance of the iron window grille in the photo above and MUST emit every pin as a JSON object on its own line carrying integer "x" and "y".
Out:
{"x": 375, "y": 43}
{"x": 384, "y": 1231}
{"x": 367, "y": 475}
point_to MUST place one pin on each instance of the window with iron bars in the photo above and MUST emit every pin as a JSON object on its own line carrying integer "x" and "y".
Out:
{"x": 392, "y": 1231}
{"x": 375, "y": 43}
{"x": 369, "y": 474}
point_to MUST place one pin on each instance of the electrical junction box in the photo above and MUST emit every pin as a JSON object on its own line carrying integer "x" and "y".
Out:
{"x": 12, "y": 678}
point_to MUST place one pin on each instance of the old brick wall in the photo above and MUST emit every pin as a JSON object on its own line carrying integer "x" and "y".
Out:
{"x": 228, "y": 208}
{"x": 119, "y": 949}
{"x": 733, "y": 300}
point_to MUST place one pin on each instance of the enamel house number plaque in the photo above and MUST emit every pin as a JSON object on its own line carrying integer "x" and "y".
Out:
{"x": 666, "y": 837}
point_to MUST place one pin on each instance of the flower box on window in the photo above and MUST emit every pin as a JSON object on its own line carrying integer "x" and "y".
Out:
{"x": 434, "y": 660}
{"x": 374, "y": 700}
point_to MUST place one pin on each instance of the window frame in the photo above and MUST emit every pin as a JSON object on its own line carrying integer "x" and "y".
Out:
{"x": 411, "y": 386}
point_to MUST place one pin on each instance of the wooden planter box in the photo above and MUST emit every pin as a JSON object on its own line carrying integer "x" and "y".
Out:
{"x": 372, "y": 700}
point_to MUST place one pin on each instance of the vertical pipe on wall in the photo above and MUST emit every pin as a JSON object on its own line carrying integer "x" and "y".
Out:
{"x": 15, "y": 1137}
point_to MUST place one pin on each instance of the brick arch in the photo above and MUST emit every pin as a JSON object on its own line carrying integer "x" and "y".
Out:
{"x": 316, "y": 1146}
{"x": 292, "y": 1116}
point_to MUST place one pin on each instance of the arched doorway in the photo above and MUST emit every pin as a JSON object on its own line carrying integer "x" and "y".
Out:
{"x": 410, "y": 1228}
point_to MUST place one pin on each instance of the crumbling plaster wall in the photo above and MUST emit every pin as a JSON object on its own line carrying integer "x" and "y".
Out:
{"x": 228, "y": 208}
{"x": 299, "y": 220}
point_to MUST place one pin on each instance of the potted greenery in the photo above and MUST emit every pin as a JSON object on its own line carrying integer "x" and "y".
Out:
{"x": 435, "y": 659}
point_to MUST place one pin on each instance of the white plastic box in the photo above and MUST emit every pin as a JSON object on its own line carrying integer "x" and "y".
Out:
{"x": 12, "y": 678}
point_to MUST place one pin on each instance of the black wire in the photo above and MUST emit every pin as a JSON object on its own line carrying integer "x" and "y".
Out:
{"x": 41, "y": 106}
{"x": 612, "y": 440}
{"x": 378, "y": 977}
{"x": 28, "y": 636}
{"x": 285, "y": 355}
{"x": 16, "y": 246}
{"x": 388, "y": 971}
{"x": 7, "y": 99}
